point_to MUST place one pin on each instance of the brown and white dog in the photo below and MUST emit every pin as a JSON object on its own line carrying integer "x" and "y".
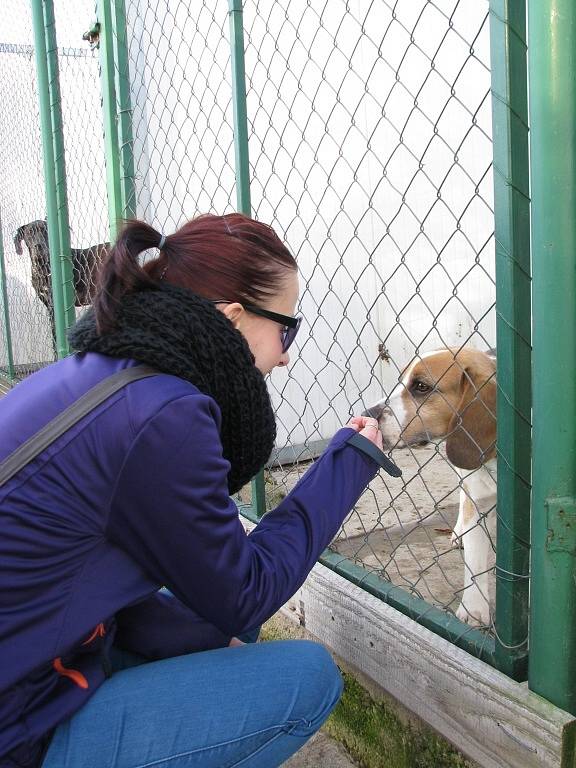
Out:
{"x": 450, "y": 395}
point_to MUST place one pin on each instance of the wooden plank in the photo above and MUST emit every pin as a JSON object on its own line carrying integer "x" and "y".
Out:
{"x": 495, "y": 721}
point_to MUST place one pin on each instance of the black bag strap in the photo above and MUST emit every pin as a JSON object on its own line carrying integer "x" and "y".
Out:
{"x": 70, "y": 416}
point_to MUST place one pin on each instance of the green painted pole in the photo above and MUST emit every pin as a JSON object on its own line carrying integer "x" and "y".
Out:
{"x": 6, "y": 310}
{"x": 54, "y": 169}
{"x": 552, "y": 64}
{"x": 240, "y": 111}
{"x": 241, "y": 153}
{"x": 513, "y": 329}
{"x": 109, "y": 109}
{"x": 123, "y": 110}
{"x": 65, "y": 256}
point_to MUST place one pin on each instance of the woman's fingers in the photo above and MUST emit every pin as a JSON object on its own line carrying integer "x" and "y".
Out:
{"x": 372, "y": 433}
{"x": 368, "y": 427}
{"x": 359, "y": 422}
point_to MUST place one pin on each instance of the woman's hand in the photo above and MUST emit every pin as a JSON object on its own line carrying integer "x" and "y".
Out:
{"x": 367, "y": 427}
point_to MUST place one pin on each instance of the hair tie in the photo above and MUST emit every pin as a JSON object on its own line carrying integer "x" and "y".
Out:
{"x": 162, "y": 242}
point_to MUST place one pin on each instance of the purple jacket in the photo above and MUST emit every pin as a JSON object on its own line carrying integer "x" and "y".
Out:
{"x": 134, "y": 497}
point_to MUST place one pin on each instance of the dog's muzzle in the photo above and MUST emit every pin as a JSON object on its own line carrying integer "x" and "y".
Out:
{"x": 375, "y": 412}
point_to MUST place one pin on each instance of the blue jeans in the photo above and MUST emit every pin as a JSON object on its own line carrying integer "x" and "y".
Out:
{"x": 251, "y": 706}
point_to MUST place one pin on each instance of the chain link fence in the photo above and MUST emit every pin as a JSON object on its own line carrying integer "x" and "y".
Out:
{"x": 371, "y": 152}
{"x": 179, "y": 71}
{"x": 21, "y": 196}
{"x": 370, "y": 145}
{"x": 29, "y": 319}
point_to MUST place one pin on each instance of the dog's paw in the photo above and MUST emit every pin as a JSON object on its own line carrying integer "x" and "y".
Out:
{"x": 456, "y": 540}
{"x": 475, "y": 615}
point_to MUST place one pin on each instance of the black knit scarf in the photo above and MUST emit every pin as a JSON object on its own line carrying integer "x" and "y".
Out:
{"x": 178, "y": 332}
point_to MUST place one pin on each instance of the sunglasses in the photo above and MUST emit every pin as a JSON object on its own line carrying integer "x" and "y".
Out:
{"x": 291, "y": 324}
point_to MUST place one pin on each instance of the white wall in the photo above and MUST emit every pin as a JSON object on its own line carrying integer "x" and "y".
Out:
{"x": 373, "y": 220}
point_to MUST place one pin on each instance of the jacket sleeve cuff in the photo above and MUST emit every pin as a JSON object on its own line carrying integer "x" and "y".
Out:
{"x": 365, "y": 446}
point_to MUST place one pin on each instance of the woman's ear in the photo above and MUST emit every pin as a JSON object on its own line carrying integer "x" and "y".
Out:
{"x": 472, "y": 432}
{"x": 234, "y": 312}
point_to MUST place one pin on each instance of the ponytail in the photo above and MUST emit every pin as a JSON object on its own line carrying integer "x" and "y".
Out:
{"x": 230, "y": 257}
{"x": 121, "y": 273}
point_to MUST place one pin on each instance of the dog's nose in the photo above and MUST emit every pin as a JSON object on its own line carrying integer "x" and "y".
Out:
{"x": 373, "y": 413}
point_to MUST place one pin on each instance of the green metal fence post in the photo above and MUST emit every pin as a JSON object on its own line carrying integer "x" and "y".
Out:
{"x": 54, "y": 169}
{"x": 242, "y": 164}
{"x": 106, "y": 14}
{"x": 6, "y": 310}
{"x": 239, "y": 108}
{"x": 65, "y": 259}
{"x": 552, "y": 63}
{"x": 124, "y": 110}
{"x": 513, "y": 331}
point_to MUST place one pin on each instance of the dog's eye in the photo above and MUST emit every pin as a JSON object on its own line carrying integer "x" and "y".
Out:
{"x": 420, "y": 387}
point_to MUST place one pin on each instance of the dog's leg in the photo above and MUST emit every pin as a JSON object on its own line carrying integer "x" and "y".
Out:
{"x": 50, "y": 308}
{"x": 456, "y": 539}
{"x": 475, "y": 606}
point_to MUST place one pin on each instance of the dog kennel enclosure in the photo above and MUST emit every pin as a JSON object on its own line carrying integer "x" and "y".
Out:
{"x": 388, "y": 144}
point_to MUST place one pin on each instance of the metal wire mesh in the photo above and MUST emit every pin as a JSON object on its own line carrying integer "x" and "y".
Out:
{"x": 83, "y": 145}
{"x": 179, "y": 62}
{"x": 22, "y": 192}
{"x": 370, "y": 149}
{"x": 371, "y": 152}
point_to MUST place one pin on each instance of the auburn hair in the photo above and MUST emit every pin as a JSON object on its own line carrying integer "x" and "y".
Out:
{"x": 231, "y": 257}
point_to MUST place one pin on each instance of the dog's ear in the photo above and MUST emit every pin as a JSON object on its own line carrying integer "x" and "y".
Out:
{"x": 18, "y": 237}
{"x": 472, "y": 431}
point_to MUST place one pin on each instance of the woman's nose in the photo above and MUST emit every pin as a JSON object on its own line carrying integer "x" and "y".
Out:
{"x": 284, "y": 360}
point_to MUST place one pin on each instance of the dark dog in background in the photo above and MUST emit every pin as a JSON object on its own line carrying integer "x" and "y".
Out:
{"x": 85, "y": 263}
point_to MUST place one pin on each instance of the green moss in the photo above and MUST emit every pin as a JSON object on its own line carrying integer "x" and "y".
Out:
{"x": 276, "y": 630}
{"x": 371, "y": 731}
{"x": 275, "y": 492}
{"x": 376, "y": 737}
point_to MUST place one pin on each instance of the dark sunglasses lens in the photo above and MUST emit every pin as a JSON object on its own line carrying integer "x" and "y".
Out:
{"x": 289, "y": 336}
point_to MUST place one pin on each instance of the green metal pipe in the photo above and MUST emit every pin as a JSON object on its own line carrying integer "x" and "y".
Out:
{"x": 65, "y": 256}
{"x": 109, "y": 109}
{"x": 54, "y": 169}
{"x": 123, "y": 110}
{"x": 513, "y": 328}
{"x": 241, "y": 154}
{"x": 6, "y": 310}
{"x": 240, "y": 111}
{"x": 552, "y": 63}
